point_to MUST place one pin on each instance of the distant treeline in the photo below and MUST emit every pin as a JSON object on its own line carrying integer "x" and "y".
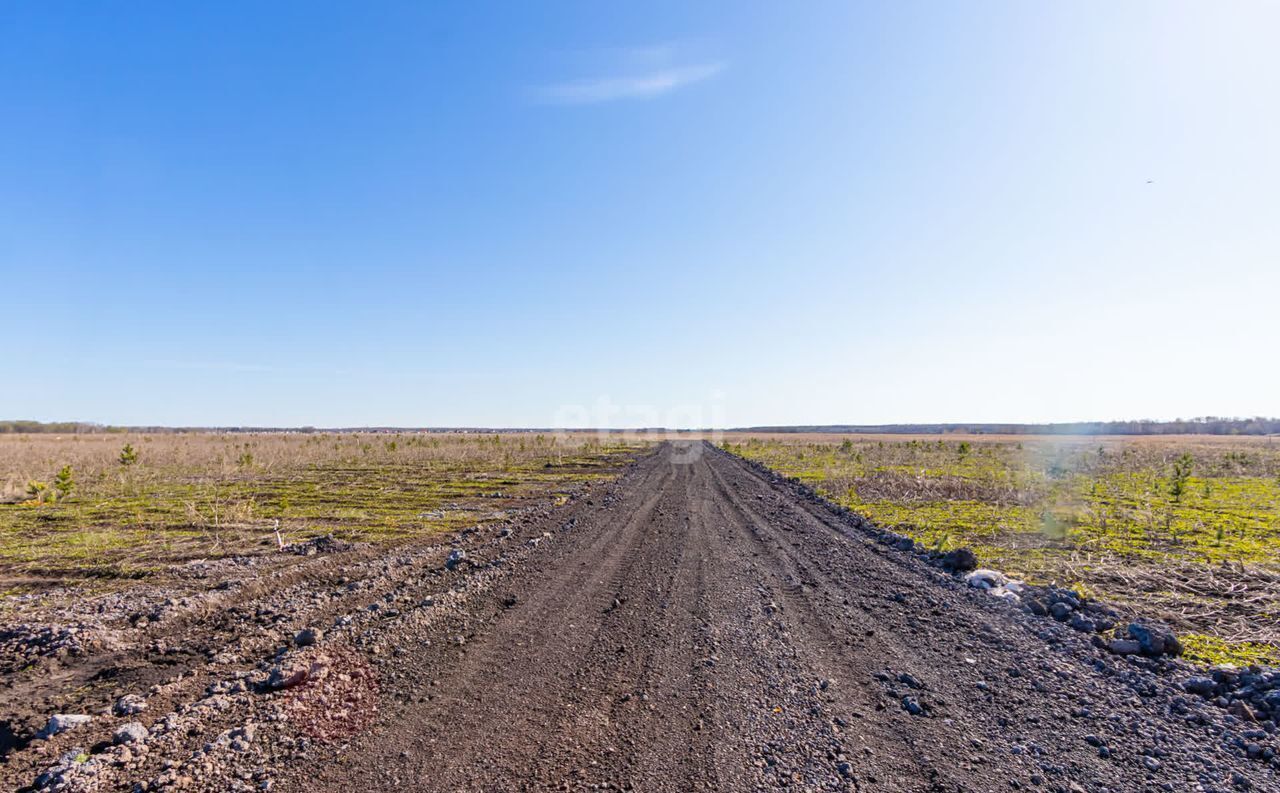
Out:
{"x": 1205, "y": 425}
{"x": 86, "y": 427}
{"x": 60, "y": 427}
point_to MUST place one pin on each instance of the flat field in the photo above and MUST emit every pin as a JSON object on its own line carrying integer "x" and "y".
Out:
{"x": 79, "y": 509}
{"x": 1186, "y": 528}
{"x": 574, "y": 613}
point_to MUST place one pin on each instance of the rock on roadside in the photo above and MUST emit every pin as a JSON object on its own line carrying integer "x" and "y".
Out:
{"x": 61, "y": 722}
{"x": 133, "y": 732}
{"x": 129, "y": 705}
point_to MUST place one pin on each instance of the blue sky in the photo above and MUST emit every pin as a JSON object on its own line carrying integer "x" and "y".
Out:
{"x": 510, "y": 214}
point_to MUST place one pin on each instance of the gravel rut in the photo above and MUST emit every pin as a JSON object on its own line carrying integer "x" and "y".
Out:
{"x": 709, "y": 628}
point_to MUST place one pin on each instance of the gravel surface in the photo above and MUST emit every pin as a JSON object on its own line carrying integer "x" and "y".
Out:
{"x": 697, "y": 625}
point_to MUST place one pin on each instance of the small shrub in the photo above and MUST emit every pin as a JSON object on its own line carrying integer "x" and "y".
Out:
{"x": 245, "y": 460}
{"x": 37, "y": 491}
{"x": 128, "y": 455}
{"x": 64, "y": 482}
{"x": 1181, "y": 473}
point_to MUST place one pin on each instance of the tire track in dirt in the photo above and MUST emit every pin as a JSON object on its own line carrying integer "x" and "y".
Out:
{"x": 836, "y": 649}
{"x": 551, "y": 626}
{"x": 713, "y": 631}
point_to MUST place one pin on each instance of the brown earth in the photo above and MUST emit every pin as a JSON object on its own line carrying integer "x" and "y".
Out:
{"x": 696, "y": 625}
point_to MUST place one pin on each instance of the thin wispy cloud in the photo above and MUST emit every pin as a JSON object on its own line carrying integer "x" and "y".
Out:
{"x": 640, "y": 73}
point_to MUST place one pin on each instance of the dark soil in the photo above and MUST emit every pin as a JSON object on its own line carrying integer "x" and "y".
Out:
{"x": 697, "y": 625}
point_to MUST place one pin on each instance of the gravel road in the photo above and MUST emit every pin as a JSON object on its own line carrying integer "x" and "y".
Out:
{"x": 697, "y": 625}
{"x": 711, "y": 631}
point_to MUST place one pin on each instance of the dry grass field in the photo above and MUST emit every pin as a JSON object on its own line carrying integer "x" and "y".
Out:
{"x": 1183, "y": 527}
{"x": 174, "y": 593}
{"x": 109, "y": 507}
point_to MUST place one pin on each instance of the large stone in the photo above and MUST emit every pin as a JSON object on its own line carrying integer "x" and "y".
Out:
{"x": 961, "y": 560}
{"x": 129, "y": 705}
{"x": 1082, "y": 623}
{"x": 133, "y": 732}
{"x": 986, "y": 579}
{"x": 1154, "y": 640}
{"x": 1272, "y": 702}
{"x": 1202, "y": 686}
{"x": 1124, "y": 647}
{"x": 61, "y": 722}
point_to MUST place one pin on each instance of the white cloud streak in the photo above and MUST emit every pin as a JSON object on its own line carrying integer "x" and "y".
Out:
{"x": 634, "y": 86}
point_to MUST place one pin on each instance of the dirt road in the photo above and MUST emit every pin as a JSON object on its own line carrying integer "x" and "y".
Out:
{"x": 710, "y": 631}
{"x": 695, "y": 625}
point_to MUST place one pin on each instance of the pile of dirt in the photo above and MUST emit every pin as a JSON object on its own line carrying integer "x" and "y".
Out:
{"x": 24, "y": 643}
